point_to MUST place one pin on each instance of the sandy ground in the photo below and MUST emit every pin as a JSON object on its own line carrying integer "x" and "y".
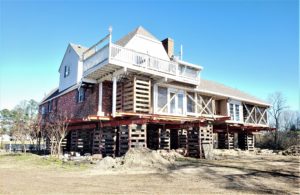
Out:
{"x": 250, "y": 174}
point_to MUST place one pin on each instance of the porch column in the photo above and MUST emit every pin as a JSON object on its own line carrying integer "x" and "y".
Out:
{"x": 114, "y": 96}
{"x": 100, "y": 113}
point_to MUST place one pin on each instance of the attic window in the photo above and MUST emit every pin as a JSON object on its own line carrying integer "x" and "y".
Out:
{"x": 66, "y": 71}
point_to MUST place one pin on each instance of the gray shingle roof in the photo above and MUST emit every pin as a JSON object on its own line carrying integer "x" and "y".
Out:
{"x": 139, "y": 30}
{"x": 78, "y": 48}
{"x": 56, "y": 93}
{"x": 216, "y": 88}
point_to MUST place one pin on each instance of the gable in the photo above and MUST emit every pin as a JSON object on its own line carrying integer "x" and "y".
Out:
{"x": 143, "y": 41}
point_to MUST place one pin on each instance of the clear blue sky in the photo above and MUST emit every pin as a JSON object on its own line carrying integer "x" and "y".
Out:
{"x": 249, "y": 45}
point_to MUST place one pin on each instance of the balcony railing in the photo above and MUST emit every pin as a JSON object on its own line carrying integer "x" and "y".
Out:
{"x": 95, "y": 58}
{"x": 142, "y": 60}
{"x": 115, "y": 53}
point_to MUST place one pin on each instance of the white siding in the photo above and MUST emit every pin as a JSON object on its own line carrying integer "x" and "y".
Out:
{"x": 70, "y": 59}
{"x": 146, "y": 45}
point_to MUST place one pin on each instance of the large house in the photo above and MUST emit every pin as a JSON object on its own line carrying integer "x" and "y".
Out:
{"x": 136, "y": 93}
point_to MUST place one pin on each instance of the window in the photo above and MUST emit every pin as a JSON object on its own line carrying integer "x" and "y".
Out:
{"x": 81, "y": 95}
{"x": 67, "y": 71}
{"x": 43, "y": 110}
{"x": 180, "y": 103}
{"x": 172, "y": 103}
{"x": 190, "y": 103}
{"x": 162, "y": 99}
{"x": 231, "y": 111}
{"x": 50, "y": 106}
{"x": 237, "y": 112}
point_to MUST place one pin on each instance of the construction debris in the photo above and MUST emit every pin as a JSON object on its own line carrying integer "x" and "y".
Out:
{"x": 292, "y": 151}
{"x": 138, "y": 159}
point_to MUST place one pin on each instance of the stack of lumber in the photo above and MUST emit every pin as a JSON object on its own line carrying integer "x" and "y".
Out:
{"x": 108, "y": 141}
{"x": 193, "y": 149}
{"x": 164, "y": 139}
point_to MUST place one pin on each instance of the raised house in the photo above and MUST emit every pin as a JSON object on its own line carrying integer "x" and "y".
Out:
{"x": 136, "y": 93}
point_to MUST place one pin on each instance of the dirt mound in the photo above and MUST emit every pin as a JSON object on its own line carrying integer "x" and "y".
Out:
{"x": 292, "y": 151}
{"x": 139, "y": 160}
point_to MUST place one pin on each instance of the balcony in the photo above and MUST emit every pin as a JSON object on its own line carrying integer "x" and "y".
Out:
{"x": 111, "y": 57}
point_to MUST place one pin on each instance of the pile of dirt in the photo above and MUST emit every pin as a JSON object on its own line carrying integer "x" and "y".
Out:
{"x": 292, "y": 151}
{"x": 229, "y": 152}
{"x": 139, "y": 160}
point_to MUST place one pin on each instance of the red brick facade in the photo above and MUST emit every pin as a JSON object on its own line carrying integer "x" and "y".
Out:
{"x": 68, "y": 103}
{"x": 107, "y": 97}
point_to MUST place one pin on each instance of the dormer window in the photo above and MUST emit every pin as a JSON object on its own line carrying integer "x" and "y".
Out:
{"x": 66, "y": 71}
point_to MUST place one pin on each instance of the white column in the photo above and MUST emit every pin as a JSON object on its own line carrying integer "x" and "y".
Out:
{"x": 100, "y": 113}
{"x": 114, "y": 96}
{"x": 155, "y": 94}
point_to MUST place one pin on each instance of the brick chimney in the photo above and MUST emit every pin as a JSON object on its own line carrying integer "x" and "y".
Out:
{"x": 168, "y": 44}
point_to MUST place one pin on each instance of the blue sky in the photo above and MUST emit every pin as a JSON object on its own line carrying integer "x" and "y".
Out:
{"x": 249, "y": 45}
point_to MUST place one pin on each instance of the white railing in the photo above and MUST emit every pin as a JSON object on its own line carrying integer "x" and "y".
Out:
{"x": 187, "y": 71}
{"x": 142, "y": 60}
{"x": 128, "y": 56}
{"x": 96, "y": 58}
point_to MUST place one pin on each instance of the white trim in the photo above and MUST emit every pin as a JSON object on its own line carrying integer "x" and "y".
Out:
{"x": 240, "y": 106}
{"x": 114, "y": 96}
{"x": 100, "y": 113}
{"x": 189, "y": 64}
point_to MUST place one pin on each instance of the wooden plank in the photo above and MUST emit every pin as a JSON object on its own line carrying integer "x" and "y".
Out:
{"x": 142, "y": 91}
{"x": 141, "y": 87}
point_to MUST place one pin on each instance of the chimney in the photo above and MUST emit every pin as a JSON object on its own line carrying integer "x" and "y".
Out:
{"x": 168, "y": 44}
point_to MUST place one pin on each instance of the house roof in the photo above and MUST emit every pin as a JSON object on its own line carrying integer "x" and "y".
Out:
{"x": 139, "y": 30}
{"x": 56, "y": 93}
{"x": 78, "y": 48}
{"x": 50, "y": 95}
{"x": 216, "y": 88}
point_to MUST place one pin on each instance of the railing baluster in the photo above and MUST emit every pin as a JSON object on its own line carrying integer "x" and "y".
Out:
{"x": 135, "y": 58}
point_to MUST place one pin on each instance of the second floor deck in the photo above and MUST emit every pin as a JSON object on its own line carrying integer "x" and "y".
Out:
{"x": 110, "y": 58}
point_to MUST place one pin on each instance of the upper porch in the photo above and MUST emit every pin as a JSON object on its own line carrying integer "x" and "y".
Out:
{"x": 102, "y": 60}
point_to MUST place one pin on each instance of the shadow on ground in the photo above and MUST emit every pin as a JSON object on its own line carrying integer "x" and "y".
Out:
{"x": 257, "y": 175}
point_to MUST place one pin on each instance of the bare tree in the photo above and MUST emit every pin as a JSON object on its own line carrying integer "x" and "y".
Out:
{"x": 278, "y": 102}
{"x": 289, "y": 119}
{"x": 56, "y": 130}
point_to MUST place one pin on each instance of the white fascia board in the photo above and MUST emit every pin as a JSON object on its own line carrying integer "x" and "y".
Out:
{"x": 153, "y": 72}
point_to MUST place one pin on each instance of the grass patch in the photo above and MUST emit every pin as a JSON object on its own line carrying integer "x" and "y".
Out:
{"x": 30, "y": 160}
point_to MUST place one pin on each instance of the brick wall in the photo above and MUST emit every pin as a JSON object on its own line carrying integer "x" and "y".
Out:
{"x": 107, "y": 97}
{"x": 68, "y": 104}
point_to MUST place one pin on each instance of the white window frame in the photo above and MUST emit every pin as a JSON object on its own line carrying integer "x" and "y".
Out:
{"x": 169, "y": 91}
{"x": 240, "y": 114}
